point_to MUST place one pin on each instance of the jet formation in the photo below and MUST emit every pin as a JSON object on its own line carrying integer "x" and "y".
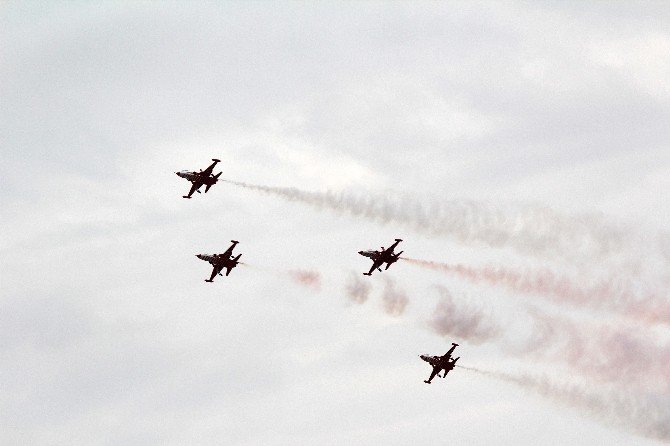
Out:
{"x": 382, "y": 256}
{"x": 202, "y": 178}
{"x": 379, "y": 257}
{"x": 221, "y": 261}
{"x": 440, "y": 363}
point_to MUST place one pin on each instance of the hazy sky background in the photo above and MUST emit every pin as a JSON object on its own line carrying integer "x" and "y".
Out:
{"x": 543, "y": 119}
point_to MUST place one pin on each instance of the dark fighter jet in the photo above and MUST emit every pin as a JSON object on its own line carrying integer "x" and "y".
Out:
{"x": 202, "y": 178}
{"x": 440, "y": 363}
{"x": 221, "y": 261}
{"x": 382, "y": 256}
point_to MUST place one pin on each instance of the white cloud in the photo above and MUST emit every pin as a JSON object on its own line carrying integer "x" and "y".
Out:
{"x": 110, "y": 333}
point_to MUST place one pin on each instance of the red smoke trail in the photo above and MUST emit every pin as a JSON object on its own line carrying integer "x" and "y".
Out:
{"x": 652, "y": 308}
{"x": 307, "y": 278}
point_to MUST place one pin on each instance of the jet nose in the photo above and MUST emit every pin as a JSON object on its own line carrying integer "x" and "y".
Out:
{"x": 199, "y": 256}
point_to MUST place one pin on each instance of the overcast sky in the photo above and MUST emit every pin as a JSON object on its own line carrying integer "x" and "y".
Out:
{"x": 529, "y": 137}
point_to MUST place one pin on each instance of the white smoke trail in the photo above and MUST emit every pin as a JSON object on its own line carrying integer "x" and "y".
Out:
{"x": 647, "y": 414}
{"x": 528, "y": 230}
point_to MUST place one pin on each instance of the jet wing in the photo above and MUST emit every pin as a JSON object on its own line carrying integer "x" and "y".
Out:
{"x": 390, "y": 249}
{"x": 376, "y": 263}
{"x": 451, "y": 350}
{"x": 209, "y": 170}
{"x": 216, "y": 270}
{"x": 435, "y": 371}
{"x": 194, "y": 188}
{"x": 229, "y": 252}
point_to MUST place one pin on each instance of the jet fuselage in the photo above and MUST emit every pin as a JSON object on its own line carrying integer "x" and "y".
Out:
{"x": 194, "y": 177}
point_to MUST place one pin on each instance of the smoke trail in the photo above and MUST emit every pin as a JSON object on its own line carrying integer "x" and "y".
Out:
{"x": 612, "y": 294}
{"x": 609, "y": 352}
{"x": 357, "y": 289}
{"x": 529, "y": 230}
{"x": 310, "y": 279}
{"x": 461, "y": 321}
{"x": 646, "y": 414}
{"x": 394, "y": 300}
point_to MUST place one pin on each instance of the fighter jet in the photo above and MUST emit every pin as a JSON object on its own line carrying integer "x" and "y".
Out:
{"x": 202, "y": 178}
{"x": 221, "y": 261}
{"x": 440, "y": 363}
{"x": 382, "y": 256}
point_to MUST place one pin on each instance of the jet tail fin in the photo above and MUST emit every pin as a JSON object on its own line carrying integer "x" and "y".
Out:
{"x": 234, "y": 264}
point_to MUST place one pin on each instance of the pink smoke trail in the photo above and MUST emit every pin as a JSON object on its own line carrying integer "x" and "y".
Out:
{"x": 461, "y": 320}
{"x": 606, "y": 352}
{"x": 607, "y": 294}
{"x": 311, "y": 279}
{"x": 357, "y": 289}
{"x": 394, "y": 299}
